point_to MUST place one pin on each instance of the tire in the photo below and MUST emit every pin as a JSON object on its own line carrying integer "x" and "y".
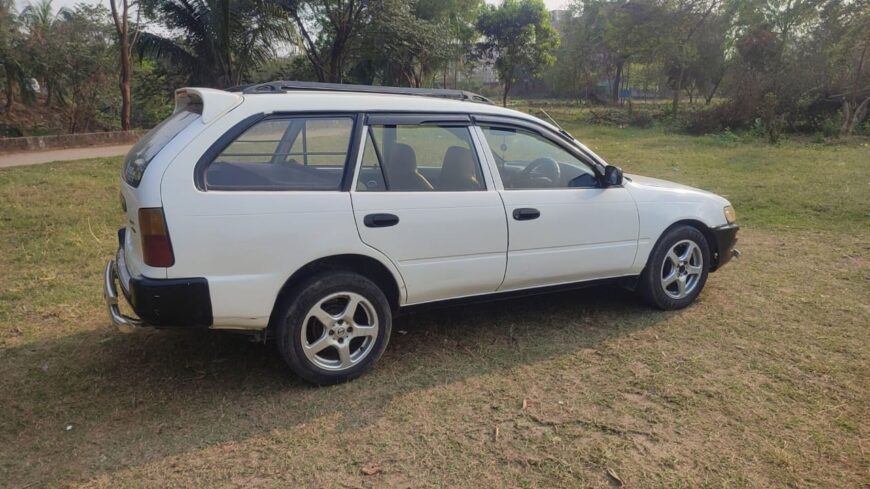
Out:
{"x": 344, "y": 349}
{"x": 677, "y": 269}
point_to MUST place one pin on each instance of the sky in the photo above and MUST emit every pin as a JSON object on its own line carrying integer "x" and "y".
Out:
{"x": 551, "y": 4}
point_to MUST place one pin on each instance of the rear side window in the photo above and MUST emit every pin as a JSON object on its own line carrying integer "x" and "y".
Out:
{"x": 300, "y": 153}
{"x": 155, "y": 140}
{"x": 408, "y": 158}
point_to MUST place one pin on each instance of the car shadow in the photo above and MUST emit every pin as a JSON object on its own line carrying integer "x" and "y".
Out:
{"x": 99, "y": 401}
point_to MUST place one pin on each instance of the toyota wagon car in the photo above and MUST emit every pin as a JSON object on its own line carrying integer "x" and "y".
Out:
{"x": 313, "y": 213}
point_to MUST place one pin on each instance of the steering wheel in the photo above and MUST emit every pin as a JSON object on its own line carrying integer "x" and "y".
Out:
{"x": 543, "y": 172}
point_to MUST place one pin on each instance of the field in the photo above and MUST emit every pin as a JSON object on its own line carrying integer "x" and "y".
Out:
{"x": 764, "y": 382}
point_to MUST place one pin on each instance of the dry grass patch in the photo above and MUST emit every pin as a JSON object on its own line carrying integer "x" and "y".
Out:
{"x": 763, "y": 382}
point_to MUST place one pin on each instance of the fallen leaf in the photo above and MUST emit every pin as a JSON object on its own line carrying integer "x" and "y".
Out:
{"x": 613, "y": 475}
{"x": 371, "y": 469}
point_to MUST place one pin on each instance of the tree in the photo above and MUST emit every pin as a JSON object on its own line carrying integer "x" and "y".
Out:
{"x": 632, "y": 30}
{"x": 126, "y": 40}
{"x": 517, "y": 38}
{"x": 399, "y": 47}
{"x": 850, "y": 55}
{"x": 10, "y": 51}
{"x": 84, "y": 68}
{"x": 220, "y": 41}
{"x": 329, "y": 31}
{"x": 39, "y": 21}
{"x": 456, "y": 20}
{"x": 688, "y": 17}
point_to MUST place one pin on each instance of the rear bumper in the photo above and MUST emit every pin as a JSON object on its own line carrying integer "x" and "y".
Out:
{"x": 725, "y": 240}
{"x": 183, "y": 302}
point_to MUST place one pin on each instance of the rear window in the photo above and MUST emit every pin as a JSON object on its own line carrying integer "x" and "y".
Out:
{"x": 155, "y": 140}
{"x": 298, "y": 153}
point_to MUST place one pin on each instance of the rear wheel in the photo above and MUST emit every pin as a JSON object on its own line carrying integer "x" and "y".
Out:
{"x": 334, "y": 328}
{"x": 677, "y": 269}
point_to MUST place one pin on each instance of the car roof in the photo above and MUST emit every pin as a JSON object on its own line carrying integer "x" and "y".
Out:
{"x": 310, "y": 100}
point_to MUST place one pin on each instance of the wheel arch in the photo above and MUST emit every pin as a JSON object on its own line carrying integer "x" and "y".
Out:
{"x": 704, "y": 229}
{"x": 366, "y": 266}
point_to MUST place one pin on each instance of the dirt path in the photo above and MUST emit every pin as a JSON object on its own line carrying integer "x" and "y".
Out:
{"x": 35, "y": 157}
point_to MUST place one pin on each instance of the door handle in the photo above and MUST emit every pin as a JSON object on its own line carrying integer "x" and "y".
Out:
{"x": 380, "y": 220}
{"x": 526, "y": 214}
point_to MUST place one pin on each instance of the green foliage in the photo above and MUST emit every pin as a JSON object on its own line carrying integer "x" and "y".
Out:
{"x": 221, "y": 41}
{"x": 152, "y": 102}
{"x": 404, "y": 48}
{"x": 518, "y": 40}
{"x": 781, "y": 66}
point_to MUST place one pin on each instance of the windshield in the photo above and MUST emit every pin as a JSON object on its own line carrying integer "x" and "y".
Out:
{"x": 147, "y": 148}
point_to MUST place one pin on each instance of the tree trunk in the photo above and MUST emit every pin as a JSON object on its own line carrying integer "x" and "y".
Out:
{"x": 125, "y": 74}
{"x": 9, "y": 95}
{"x": 617, "y": 80}
{"x": 851, "y": 117}
{"x": 225, "y": 43}
{"x": 709, "y": 97}
{"x": 676, "y": 104}
{"x": 124, "y": 81}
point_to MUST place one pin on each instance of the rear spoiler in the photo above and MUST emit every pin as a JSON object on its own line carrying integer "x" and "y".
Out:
{"x": 209, "y": 102}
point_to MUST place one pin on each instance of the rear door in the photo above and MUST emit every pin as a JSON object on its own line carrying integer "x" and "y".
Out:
{"x": 423, "y": 199}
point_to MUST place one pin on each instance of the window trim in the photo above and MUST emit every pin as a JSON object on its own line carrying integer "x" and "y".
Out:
{"x": 481, "y": 122}
{"x": 417, "y": 119}
{"x": 230, "y": 136}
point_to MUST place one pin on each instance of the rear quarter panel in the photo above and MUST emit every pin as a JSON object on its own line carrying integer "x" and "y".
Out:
{"x": 248, "y": 243}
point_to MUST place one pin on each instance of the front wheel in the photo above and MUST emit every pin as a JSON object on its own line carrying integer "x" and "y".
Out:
{"x": 335, "y": 328}
{"x": 677, "y": 269}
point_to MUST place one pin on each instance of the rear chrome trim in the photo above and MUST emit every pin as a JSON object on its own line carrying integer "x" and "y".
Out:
{"x": 122, "y": 322}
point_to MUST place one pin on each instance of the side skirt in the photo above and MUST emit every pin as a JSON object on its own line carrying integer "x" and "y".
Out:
{"x": 629, "y": 282}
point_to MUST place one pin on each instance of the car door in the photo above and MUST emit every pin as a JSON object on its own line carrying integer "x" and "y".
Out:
{"x": 423, "y": 199}
{"x": 563, "y": 226}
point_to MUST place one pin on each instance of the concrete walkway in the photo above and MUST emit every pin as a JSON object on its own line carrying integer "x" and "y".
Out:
{"x": 35, "y": 157}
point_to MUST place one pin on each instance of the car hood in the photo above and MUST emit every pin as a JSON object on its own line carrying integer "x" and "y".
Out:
{"x": 655, "y": 182}
{"x": 646, "y": 189}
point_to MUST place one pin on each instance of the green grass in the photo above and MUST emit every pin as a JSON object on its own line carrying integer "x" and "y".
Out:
{"x": 762, "y": 383}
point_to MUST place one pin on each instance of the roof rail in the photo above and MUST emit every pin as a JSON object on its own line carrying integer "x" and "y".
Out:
{"x": 282, "y": 86}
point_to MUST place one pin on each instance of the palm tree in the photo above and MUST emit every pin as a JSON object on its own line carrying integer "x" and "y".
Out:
{"x": 216, "y": 42}
{"x": 10, "y": 51}
{"x": 39, "y": 20}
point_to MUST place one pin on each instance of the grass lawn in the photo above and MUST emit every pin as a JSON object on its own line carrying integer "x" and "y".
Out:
{"x": 764, "y": 382}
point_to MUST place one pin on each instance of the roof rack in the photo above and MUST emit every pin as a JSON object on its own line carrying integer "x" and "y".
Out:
{"x": 282, "y": 86}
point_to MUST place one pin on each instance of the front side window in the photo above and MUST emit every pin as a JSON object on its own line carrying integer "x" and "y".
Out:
{"x": 407, "y": 158}
{"x": 300, "y": 153}
{"x": 527, "y": 160}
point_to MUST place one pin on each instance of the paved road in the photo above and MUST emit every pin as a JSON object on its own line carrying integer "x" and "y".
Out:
{"x": 35, "y": 157}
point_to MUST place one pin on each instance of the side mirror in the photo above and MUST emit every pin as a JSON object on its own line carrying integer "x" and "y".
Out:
{"x": 612, "y": 176}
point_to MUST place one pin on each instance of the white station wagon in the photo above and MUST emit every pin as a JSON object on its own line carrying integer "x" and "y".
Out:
{"x": 312, "y": 213}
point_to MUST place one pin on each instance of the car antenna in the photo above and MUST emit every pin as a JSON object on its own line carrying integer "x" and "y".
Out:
{"x": 564, "y": 132}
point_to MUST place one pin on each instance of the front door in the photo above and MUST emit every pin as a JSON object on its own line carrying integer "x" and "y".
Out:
{"x": 563, "y": 227}
{"x": 422, "y": 198}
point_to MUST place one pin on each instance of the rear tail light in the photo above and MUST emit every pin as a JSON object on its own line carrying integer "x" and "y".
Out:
{"x": 156, "y": 246}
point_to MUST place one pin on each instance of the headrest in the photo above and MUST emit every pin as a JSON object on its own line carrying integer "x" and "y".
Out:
{"x": 402, "y": 158}
{"x": 459, "y": 161}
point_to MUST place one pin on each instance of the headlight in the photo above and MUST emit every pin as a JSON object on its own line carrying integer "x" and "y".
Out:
{"x": 730, "y": 215}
